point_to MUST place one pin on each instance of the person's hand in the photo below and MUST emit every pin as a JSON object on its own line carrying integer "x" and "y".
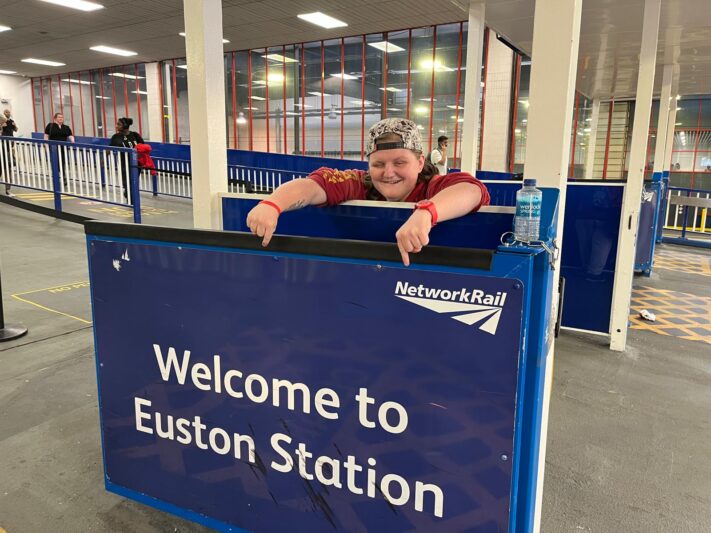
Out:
{"x": 413, "y": 235}
{"x": 262, "y": 221}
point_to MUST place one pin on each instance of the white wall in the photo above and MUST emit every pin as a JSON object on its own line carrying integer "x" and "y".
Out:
{"x": 18, "y": 92}
{"x": 495, "y": 145}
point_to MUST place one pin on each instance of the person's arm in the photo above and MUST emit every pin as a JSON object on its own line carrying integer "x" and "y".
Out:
{"x": 46, "y": 132}
{"x": 452, "y": 202}
{"x": 262, "y": 219}
{"x": 139, "y": 139}
{"x": 70, "y": 137}
{"x": 14, "y": 125}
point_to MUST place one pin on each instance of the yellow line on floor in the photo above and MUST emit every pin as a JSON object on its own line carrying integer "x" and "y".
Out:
{"x": 51, "y": 310}
{"x": 56, "y": 287}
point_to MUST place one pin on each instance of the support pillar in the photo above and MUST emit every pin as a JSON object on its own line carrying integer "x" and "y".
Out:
{"x": 592, "y": 140}
{"x": 472, "y": 91}
{"x": 206, "y": 86}
{"x": 665, "y": 102}
{"x": 629, "y": 221}
{"x": 499, "y": 82}
{"x": 671, "y": 126}
{"x": 153, "y": 99}
{"x": 554, "y": 61}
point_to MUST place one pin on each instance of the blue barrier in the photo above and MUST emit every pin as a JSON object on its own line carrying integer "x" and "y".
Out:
{"x": 649, "y": 221}
{"x": 663, "y": 194}
{"x": 439, "y": 431}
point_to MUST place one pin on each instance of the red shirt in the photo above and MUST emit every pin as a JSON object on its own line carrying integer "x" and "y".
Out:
{"x": 343, "y": 185}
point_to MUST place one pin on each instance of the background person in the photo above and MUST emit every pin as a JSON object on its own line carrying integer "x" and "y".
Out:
{"x": 9, "y": 129}
{"x": 125, "y": 138}
{"x": 439, "y": 155}
{"x": 6, "y": 164}
{"x": 57, "y": 130}
{"x": 397, "y": 172}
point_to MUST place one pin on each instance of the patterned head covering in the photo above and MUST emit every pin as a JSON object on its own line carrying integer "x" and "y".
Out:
{"x": 405, "y": 129}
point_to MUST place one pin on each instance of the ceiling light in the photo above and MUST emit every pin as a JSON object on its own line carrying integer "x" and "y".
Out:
{"x": 679, "y": 108}
{"x": 455, "y": 107}
{"x": 112, "y": 50}
{"x": 184, "y": 67}
{"x": 391, "y": 89}
{"x": 524, "y": 121}
{"x": 358, "y": 102}
{"x": 421, "y": 110}
{"x": 315, "y": 93}
{"x": 387, "y": 47}
{"x": 345, "y": 76}
{"x": 5, "y": 28}
{"x": 322, "y": 20}
{"x": 280, "y": 58}
{"x": 302, "y": 105}
{"x": 257, "y": 98}
{"x": 428, "y": 64}
{"x": 128, "y": 76}
{"x": 678, "y": 97}
{"x": 81, "y": 5}
{"x": 427, "y": 99}
{"x": 225, "y": 41}
{"x": 460, "y": 120}
{"x": 679, "y": 124}
{"x": 420, "y": 127}
{"x": 139, "y": 92}
{"x": 517, "y": 130}
{"x": 588, "y": 119}
{"x": 102, "y": 97}
{"x": 586, "y": 130}
{"x": 241, "y": 119}
{"x": 45, "y": 62}
{"x": 83, "y": 82}
{"x": 7, "y": 72}
{"x": 394, "y": 109}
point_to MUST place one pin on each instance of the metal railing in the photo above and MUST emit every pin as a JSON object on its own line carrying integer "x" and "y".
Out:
{"x": 687, "y": 210}
{"x": 98, "y": 173}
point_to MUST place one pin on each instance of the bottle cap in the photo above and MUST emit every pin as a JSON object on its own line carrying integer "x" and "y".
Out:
{"x": 529, "y": 182}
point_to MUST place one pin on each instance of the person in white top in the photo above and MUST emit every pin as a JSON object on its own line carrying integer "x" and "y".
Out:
{"x": 439, "y": 155}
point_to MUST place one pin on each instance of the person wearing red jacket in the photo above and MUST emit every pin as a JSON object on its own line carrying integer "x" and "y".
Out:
{"x": 397, "y": 172}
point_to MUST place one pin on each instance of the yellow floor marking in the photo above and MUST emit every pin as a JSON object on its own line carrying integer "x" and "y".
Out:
{"x": 683, "y": 262}
{"x": 51, "y": 310}
{"x": 66, "y": 286}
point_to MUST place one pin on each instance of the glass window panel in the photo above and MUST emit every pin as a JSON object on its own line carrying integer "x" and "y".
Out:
{"x": 243, "y": 103}
{"x": 141, "y": 94}
{"x": 520, "y": 131}
{"x": 313, "y": 99}
{"x": 259, "y": 101}
{"x": 181, "y": 96}
{"x": 332, "y": 102}
{"x": 445, "y": 84}
{"x": 421, "y": 66}
{"x": 353, "y": 101}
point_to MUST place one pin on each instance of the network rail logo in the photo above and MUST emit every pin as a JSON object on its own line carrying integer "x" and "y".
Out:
{"x": 470, "y": 306}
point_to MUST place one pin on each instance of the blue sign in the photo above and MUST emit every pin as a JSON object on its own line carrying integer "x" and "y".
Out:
{"x": 292, "y": 393}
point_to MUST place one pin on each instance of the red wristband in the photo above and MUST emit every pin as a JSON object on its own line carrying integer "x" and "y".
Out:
{"x": 267, "y": 202}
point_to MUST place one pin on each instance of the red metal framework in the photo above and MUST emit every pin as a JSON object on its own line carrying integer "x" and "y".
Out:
{"x": 249, "y": 97}
{"x": 138, "y": 99}
{"x": 44, "y": 120}
{"x": 71, "y": 102}
{"x": 483, "y": 97}
{"x": 456, "y": 100}
{"x": 362, "y": 101}
{"x": 696, "y": 147}
{"x": 103, "y": 103}
{"x": 432, "y": 88}
{"x": 92, "y": 99}
{"x": 125, "y": 91}
{"x": 303, "y": 101}
{"x": 162, "y": 102}
{"x": 607, "y": 138}
{"x": 51, "y": 98}
{"x": 234, "y": 101}
{"x": 61, "y": 96}
{"x": 283, "y": 93}
{"x": 571, "y": 168}
{"x": 176, "y": 126}
{"x": 81, "y": 104}
{"x": 384, "y": 106}
{"x": 113, "y": 96}
{"x": 343, "y": 110}
{"x": 323, "y": 74}
{"x": 409, "y": 69}
{"x": 514, "y": 117}
{"x": 266, "y": 93}
{"x": 34, "y": 107}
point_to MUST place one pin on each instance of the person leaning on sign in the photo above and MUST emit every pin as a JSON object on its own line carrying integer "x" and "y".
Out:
{"x": 397, "y": 172}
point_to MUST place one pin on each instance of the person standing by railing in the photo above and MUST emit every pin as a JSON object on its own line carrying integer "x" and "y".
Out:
{"x": 125, "y": 138}
{"x": 57, "y": 130}
{"x": 9, "y": 129}
{"x": 6, "y": 151}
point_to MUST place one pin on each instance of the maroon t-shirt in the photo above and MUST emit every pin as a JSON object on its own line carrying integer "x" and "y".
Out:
{"x": 343, "y": 185}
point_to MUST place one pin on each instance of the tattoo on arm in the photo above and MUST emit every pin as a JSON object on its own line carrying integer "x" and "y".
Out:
{"x": 296, "y": 205}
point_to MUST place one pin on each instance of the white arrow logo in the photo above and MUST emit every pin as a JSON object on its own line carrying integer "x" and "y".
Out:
{"x": 470, "y": 314}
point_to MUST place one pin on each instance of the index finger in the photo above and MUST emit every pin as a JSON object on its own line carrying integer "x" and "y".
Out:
{"x": 405, "y": 256}
{"x": 268, "y": 235}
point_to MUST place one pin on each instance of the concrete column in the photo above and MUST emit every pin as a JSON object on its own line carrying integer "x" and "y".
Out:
{"x": 554, "y": 60}
{"x": 168, "y": 103}
{"x": 472, "y": 91}
{"x": 495, "y": 144}
{"x": 206, "y": 87}
{"x": 592, "y": 140}
{"x": 665, "y": 101}
{"x": 155, "y": 108}
{"x": 629, "y": 221}
{"x": 671, "y": 125}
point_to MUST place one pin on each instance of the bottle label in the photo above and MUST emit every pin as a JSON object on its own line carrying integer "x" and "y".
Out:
{"x": 529, "y": 208}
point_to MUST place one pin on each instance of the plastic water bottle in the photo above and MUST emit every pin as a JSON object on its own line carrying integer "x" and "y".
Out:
{"x": 527, "y": 223}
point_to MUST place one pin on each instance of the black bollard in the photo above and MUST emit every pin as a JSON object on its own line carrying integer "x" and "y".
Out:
{"x": 8, "y": 332}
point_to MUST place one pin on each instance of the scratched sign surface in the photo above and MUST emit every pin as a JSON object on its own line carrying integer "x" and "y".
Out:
{"x": 281, "y": 393}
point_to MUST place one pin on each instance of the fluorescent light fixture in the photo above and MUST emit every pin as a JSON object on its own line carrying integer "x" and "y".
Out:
{"x": 103, "y": 97}
{"x": 679, "y": 108}
{"x": 184, "y": 67}
{"x": 427, "y": 99}
{"x": 257, "y": 98}
{"x": 365, "y": 103}
{"x": 44, "y": 62}
{"x": 419, "y": 127}
{"x": 83, "y": 82}
{"x": 586, "y": 130}
{"x": 428, "y": 64}
{"x": 460, "y": 120}
{"x": 81, "y": 5}
{"x": 524, "y": 120}
{"x": 275, "y": 77}
{"x": 241, "y": 119}
{"x": 261, "y": 83}
{"x": 394, "y": 109}
{"x": 112, "y": 50}
{"x": 455, "y": 107}
{"x": 517, "y": 130}
{"x": 5, "y": 28}
{"x": 588, "y": 119}
{"x": 421, "y": 110}
{"x": 391, "y": 89}
{"x": 315, "y": 93}
{"x": 386, "y": 47}
{"x": 280, "y": 58}
{"x": 322, "y": 20}
{"x": 7, "y": 72}
{"x": 345, "y": 76}
{"x": 302, "y": 105}
{"x": 139, "y": 92}
{"x": 127, "y": 76}
{"x": 224, "y": 41}
{"x": 679, "y": 124}
{"x": 292, "y": 114}
{"x": 678, "y": 97}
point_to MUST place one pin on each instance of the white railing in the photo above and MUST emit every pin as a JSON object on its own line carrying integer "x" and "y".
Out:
{"x": 689, "y": 218}
{"x": 95, "y": 172}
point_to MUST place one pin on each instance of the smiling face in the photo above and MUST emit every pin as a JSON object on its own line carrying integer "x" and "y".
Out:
{"x": 59, "y": 118}
{"x": 394, "y": 172}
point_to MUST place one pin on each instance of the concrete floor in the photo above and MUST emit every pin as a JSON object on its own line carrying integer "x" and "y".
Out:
{"x": 629, "y": 434}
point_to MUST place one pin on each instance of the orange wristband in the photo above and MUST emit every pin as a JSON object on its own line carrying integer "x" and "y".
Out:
{"x": 272, "y": 204}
